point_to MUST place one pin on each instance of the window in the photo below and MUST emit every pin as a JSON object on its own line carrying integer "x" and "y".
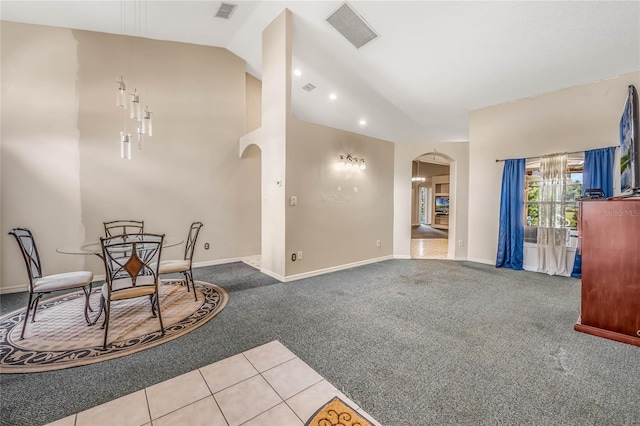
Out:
{"x": 568, "y": 210}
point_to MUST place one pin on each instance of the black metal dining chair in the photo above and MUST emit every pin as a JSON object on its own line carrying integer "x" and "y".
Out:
{"x": 184, "y": 265}
{"x": 131, "y": 268}
{"x": 123, "y": 227}
{"x": 40, "y": 284}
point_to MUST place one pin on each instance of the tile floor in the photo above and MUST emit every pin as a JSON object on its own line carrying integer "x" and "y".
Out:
{"x": 265, "y": 386}
{"x": 433, "y": 248}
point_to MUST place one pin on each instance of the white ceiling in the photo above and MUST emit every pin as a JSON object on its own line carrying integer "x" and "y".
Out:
{"x": 434, "y": 62}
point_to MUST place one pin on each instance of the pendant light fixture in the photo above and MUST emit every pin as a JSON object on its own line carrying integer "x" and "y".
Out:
{"x": 143, "y": 119}
{"x": 418, "y": 178}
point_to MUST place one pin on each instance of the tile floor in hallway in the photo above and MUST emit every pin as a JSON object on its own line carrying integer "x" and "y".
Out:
{"x": 264, "y": 386}
{"x": 432, "y": 248}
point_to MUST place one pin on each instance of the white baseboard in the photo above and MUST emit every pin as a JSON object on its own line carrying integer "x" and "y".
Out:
{"x": 273, "y": 275}
{"x": 219, "y": 261}
{"x": 485, "y": 261}
{"x": 15, "y": 289}
{"x": 402, "y": 256}
{"x": 333, "y": 269}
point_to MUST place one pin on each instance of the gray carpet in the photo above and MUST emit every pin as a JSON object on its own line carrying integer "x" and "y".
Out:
{"x": 414, "y": 342}
{"x": 427, "y": 232}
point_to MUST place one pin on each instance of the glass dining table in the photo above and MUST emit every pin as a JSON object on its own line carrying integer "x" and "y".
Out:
{"x": 95, "y": 248}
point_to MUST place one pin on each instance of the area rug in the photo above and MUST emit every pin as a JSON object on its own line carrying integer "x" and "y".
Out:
{"x": 60, "y": 337}
{"x": 336, "y": 413}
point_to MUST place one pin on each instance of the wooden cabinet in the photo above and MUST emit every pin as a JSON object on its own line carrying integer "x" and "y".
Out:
{"x": 610, "y": 298}
{"x": 440, "y": 214}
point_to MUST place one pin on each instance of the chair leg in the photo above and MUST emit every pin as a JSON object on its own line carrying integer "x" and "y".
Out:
{"x": 87, "y": 308}
{"x": 107, "y": 312}
{"x": 153, "y": 304}
{"x": 188, "y": 276}
{"x": 35, "y": 307}
{"x": 26, "y": 316}
{"x": 157, "y": 303}
{"x": 103, "y": 308}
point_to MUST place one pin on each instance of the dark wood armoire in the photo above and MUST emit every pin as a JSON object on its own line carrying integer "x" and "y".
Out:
{"x": 610, "y": 247}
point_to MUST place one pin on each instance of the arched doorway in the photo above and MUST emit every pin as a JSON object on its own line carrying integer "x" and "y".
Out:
{"x": 430, "y": 206}
{"x": 251, "y": 153}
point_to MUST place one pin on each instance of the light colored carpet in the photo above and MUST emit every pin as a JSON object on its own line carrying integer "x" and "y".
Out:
{"x": 60, "y": 337}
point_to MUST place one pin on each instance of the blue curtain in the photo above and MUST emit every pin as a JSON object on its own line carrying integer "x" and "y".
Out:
{"x": 511, "y": 235}
{"x": 598, "y": 173}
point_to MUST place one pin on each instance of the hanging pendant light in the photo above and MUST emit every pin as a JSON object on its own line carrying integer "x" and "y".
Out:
{"x": 140, "y": 135}
{"x": 147, "y": 122}
{"x": 125, "y": 145}
{"x": 417, "y": 178}
{"x": 134, "y": 105}
{"x": 121, "y": 99}
{"x": 144, "y": 125}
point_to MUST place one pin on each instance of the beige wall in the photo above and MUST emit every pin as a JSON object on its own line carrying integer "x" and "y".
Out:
{"x": 458, "y": 154}
{"x": 276, "y": 111}
{"x": 61, "y": 171}
{"x": 339, "y": 216}
{"x": 573, "y": 119}
{"x": 253, "y": 104}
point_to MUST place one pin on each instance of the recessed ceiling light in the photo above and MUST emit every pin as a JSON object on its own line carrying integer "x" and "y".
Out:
{"x": 363, "y": 122}
{"x": 332, "y": 96}
{"x": 297, "y": 73}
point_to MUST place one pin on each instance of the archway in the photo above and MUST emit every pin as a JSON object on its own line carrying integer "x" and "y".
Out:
{"x": 431, "y": 206}
{"x": 252, "y": 153}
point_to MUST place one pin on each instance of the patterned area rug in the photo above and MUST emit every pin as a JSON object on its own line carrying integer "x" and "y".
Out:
{"x": 60, "y": 337}
{"x": 337, "y": 413}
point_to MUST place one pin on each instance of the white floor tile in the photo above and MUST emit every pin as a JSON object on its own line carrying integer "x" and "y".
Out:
{"x": 241, "y": 396}
{"x": 201, "y": 413}
{"x": 228, "y": 372}
{"x": 291, "y": 377}
{"x": 268, "y": 355}
{"x": 432, "y": 248}
{"x": 246, "y": 400}
{"x": 280, "y": 415}
{"x": 176, "y": 393}
{"x": 130, "y": 410}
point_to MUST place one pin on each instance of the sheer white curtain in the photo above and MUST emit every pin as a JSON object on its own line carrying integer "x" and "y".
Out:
{"x": 552, "y": 231}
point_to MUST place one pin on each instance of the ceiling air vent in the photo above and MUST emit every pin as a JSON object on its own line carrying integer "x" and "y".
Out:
{"x": 225, "y": 10}
{"x": 352, "y": 26}
{"x": 308, "y": 87}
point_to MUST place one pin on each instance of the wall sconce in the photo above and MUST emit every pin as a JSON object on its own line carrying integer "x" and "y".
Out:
{"x": 349, "y": 163}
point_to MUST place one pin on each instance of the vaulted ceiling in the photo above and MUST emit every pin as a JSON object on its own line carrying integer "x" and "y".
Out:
{"x": 432, "y": 63}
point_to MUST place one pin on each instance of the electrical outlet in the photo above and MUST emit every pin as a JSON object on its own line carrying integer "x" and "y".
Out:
{"x": 206, "y": 246}
{"x": 460, "y": 243}
{"x": 378, "y": 243}
{"x": 293, "y": 257}
{"x": 294, "y": 200}
{"x": 299, "y": 255}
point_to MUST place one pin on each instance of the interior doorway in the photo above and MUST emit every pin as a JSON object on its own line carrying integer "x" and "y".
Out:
{"x": 430, "y": 207}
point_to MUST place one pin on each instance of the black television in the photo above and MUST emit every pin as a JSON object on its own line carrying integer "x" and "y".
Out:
{"x": 629, "y": 145}
{"x": 442, "y": 205}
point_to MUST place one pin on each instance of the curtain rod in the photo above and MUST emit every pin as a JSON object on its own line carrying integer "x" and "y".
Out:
{"x": 557, "y": 153}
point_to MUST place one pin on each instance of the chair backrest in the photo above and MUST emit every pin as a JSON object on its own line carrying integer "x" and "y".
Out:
{"x": 123, "y": 227}
{"x": 191, "y": 240}
{"x": 131, "y": 258}
{"x": 29, "y": 253}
